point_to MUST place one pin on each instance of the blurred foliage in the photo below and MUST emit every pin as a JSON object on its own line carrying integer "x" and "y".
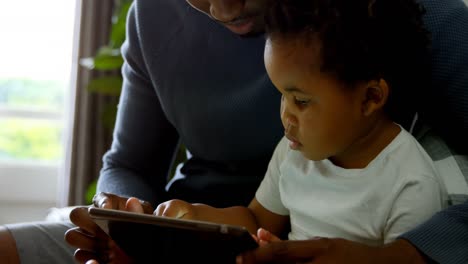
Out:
{"x": 90, "y": 192}
{"x": 108, "y": 61}
{"x": 22, "y": 139}
{"x": 41, "y": 94}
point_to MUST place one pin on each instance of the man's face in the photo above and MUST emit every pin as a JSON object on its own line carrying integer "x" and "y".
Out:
{"x": 242, "y": 17}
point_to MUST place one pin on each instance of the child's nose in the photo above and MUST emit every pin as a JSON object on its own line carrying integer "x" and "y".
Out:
{"x": 226, "y": 10}
{"x": 288, "y": 119}
{"x": 291, "y": 121}
{"x": 288, "y": 123}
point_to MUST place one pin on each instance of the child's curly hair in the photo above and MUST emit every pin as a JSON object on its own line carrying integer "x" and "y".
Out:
{"x": 362, "y": 40}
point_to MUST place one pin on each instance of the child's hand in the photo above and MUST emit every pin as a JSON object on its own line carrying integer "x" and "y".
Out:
{"x": 134, "y": 205}
{"x": 176, "y": 209}
{"x": 265, "y": 237}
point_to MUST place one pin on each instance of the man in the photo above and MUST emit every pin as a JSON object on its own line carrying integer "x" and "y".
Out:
{"x": 194, "y": 74}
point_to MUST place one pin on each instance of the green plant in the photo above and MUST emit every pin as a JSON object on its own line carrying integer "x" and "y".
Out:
{"x": 30, "y": 139}
{"x": 108, "y": 60}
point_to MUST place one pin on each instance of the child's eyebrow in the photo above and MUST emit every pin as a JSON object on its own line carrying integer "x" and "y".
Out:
{"x": 292, "y": 89}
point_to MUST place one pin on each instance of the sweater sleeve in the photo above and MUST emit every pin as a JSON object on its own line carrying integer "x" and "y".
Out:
{"x": 444, "y": 237}
{"x": 144, "y": 142}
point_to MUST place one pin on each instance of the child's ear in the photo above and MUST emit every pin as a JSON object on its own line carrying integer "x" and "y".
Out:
{"x": 376, "y": 94}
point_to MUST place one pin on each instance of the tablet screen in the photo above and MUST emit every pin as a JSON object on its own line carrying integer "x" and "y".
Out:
{"x": 152, "y": 239}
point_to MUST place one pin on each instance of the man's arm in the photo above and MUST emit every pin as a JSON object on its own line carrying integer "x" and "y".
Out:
{"x": 444, "y": 237}
{"x": 446, "y": 101}
{"x": 332, "y": 250}
{"x": 144, "y": 141}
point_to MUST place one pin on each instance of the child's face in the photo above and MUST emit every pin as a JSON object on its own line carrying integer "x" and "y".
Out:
{"x": 322, "y": 119}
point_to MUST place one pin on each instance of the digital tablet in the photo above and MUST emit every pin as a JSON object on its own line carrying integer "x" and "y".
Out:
{"x": 153, "y": 239}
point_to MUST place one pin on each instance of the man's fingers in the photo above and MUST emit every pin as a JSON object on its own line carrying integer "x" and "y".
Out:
{"x": 286, "y": 251}
{"x": 80, "y": 217}
{"x": 147, "y": 207}
{"x": 112, "y": 201}
{"x": 264, "y": 254}
{"x": 83, "y": 256}
{"x": 76, "y": 238}
{"x": 108, "y": 201}
{"x": 99, "y": 199}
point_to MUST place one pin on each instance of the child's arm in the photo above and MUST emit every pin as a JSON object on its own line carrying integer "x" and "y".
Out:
{"x": 251, "y": 217}
{"x": 266, "y": 219}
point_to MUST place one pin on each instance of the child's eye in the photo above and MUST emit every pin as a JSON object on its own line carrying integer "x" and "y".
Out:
{"x": 301, "y": 102}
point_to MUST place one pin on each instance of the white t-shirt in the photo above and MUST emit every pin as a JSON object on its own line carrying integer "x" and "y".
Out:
{"x": 397, "y": 191}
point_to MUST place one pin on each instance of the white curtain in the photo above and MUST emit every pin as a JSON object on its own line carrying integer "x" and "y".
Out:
{"x": 87, "y": 139}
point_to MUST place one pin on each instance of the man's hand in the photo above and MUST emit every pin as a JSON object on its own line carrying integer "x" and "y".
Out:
{"x": 336, "y": 251}
{"x": 91, "y": 242}
{"x": 112, "y": 201}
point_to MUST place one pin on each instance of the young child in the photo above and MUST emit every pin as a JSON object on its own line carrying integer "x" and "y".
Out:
{"x": 346, "y": 70}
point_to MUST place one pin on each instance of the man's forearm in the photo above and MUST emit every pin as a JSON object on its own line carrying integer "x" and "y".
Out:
{"x": 443, "y": 238}
{"x": 127, "y": 184}
{"x": 402, "y": 252}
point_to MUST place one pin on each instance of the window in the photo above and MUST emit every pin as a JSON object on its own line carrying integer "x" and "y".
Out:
{"x": 35, "y": 66}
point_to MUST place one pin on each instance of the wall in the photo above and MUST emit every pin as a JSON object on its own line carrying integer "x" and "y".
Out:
{"x": 26, "y": 193}
{"x": 23, "y": 212}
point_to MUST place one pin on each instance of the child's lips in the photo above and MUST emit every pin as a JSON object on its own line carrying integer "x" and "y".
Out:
{"x": 293, "y": 142}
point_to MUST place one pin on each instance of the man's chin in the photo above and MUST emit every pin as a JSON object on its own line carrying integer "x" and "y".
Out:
{"x": 251, "y": 29}
{"x": 257, "y": 30}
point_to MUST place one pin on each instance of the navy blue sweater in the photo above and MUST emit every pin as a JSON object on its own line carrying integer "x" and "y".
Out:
{"x": 189, "y": 80}
{"x": 444, "y": 238}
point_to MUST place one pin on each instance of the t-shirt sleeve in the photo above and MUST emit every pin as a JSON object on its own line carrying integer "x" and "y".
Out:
{"x": 268, "y": 193}
{"x": 417, "y": 200}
